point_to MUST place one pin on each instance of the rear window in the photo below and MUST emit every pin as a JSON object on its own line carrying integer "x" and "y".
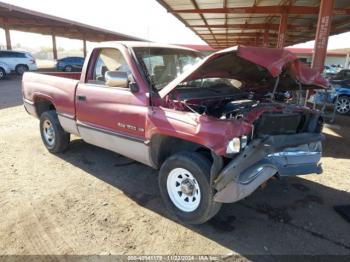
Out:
{"x": 28, "y": 55}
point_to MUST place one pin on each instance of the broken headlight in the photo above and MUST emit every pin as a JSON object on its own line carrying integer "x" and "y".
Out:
{"x": 234, "y": 146}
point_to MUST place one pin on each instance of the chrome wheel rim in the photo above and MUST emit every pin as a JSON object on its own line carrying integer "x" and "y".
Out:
{"x": 183, "y": 190}
{"x": 68, "y": 69}
{"x": 343, "y": 105}
{"x": 49, "y": 133}
{"x": 1, "y": 74}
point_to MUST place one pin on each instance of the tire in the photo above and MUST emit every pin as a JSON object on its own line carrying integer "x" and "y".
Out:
{"x": 342, "y": 105}
{"x": 175, "y": 173}
{"x": 2, "y": 74}
{"x": 55, "y": 139}
{"x": 68, "y": 69}
{"x": 21, "y": 69}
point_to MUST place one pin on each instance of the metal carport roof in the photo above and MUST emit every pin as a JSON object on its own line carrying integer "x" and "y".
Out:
{"x": 223, "y": 23}
{"x": 21, "y": 19}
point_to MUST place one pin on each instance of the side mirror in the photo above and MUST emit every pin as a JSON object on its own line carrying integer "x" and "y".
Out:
{"x": 134, "y": 88}
{"x": 117, "y": 79}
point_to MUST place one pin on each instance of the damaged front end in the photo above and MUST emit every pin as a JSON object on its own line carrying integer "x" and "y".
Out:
{"x": 283, "y": 155}
{"x": 282, "y": 144}
{"x": 243, "y": 112}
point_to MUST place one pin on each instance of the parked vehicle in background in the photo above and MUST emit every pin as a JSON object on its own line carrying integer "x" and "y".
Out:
{"x": 343, "y": 74}
{"x": 342, "y": 91}
{"x": 70, "y": 64}
{"x": 17, "y": 61}
{"x": 339, "y": 96}
{"x": 329, "y": 71}
{"x": 206, "y": 124}
{"x": 4, "y": 70}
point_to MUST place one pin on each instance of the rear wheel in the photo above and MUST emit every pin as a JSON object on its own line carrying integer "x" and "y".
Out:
{"x": 55, "y": 139}
{"x": 342, "y": 105}
{"x": 184, "y": 182}
{"x": 68, "y": 69}
{"x": 2, "y": 74}
{"x": 21, "y": 69}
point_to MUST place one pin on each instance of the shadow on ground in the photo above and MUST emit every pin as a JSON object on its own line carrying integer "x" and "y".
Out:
{"x": 10, "y": 92}
{"x": 337, "y": 142}
{"x": 288, "y": 212}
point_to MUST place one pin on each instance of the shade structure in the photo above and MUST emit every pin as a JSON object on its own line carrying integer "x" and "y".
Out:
{"x": 224, "y": 23}
{"x": 21, "y": 19}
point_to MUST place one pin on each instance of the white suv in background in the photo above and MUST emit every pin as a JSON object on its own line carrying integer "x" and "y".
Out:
{"x": 18, "y": 61}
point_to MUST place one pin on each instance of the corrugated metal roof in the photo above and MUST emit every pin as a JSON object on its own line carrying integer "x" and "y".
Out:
{"x": 223, "y": 23}
{"x": 21, "y": 19}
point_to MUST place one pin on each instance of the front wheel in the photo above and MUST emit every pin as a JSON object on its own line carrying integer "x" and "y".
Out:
{"x": 55, "y": 139}
{"x": 2, "y": 74}
{"x": 342, "y": 105}
{"x": 184, "y": 182}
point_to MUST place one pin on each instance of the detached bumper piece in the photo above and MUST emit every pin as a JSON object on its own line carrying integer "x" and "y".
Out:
{"x": 287, "y": 155}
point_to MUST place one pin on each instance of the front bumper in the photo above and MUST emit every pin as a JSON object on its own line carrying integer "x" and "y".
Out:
{"x": 287, "y": 155}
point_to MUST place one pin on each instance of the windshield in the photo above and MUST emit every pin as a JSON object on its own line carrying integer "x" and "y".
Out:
{"x": 164, "y": 64}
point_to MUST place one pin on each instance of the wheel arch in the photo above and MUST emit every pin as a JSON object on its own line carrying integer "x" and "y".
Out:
{"x": 43, "y": 104}
{"x": 21, "y": 65}
{"x": 163, "y": 146}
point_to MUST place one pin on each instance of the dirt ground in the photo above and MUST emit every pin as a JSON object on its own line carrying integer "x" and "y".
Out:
{"x": 92, "y": 201}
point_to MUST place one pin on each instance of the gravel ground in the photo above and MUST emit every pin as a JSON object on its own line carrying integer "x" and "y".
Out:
{"x": 92, "y": 201}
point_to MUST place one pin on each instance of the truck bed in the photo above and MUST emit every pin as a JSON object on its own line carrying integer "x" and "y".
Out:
{"x": 57, "y": 87}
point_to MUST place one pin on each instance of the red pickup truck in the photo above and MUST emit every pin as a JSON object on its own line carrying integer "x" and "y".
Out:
{"x": 216, "y": 127}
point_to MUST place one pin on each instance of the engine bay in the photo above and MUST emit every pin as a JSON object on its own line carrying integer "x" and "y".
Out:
{"x": 280, "y": 114}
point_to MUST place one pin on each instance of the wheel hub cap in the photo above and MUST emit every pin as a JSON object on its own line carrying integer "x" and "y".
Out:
{"x": 183, "y": 190}
{"x": 49, "y": 133}
{"x": 187, "y": 187}
{"x": 343, "y": 105}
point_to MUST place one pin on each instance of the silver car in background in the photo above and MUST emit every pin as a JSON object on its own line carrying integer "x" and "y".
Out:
{"x": 18, "y": 61}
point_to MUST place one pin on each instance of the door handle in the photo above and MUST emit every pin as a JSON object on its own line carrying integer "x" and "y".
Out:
{"x": 81, "y": 98}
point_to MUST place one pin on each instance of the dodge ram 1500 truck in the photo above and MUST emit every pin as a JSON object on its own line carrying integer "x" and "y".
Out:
{"x": 215, "y": 127}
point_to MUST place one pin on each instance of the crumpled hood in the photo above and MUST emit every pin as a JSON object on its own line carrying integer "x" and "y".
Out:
{"x": 251, "y": 63}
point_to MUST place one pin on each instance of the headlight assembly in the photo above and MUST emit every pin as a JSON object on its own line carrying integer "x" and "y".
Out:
{"x": 234, "y": 146}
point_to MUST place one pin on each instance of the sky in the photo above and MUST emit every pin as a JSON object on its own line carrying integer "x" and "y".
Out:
{"x": 142, "y": 18}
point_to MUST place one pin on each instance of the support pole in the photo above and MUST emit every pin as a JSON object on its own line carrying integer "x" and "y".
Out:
{"x": 266, "y": 38}
{"x": 84, "y": 46}
{"x": 257, "y": 40}
{"x": 54, "y": 47}
{"x": 8, "y": 38}
{"x": 282, "y": 30}
{"x": 322, "y": 34}
{"x": 347, "y": 60}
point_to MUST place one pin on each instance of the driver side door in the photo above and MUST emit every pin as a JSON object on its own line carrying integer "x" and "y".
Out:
{"x": 112, "y": 117}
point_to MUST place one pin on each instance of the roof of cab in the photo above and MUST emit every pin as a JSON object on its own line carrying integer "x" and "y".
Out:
{"x": 133, "y": 44}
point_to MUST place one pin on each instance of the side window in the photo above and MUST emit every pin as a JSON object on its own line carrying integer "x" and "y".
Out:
{"x": 19, "y": 55}
{"x": 6, "y": 54}
{"x": 109, "y": 59}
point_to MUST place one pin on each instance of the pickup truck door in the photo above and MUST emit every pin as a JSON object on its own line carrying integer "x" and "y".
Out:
{"x": 112, "y": 117}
